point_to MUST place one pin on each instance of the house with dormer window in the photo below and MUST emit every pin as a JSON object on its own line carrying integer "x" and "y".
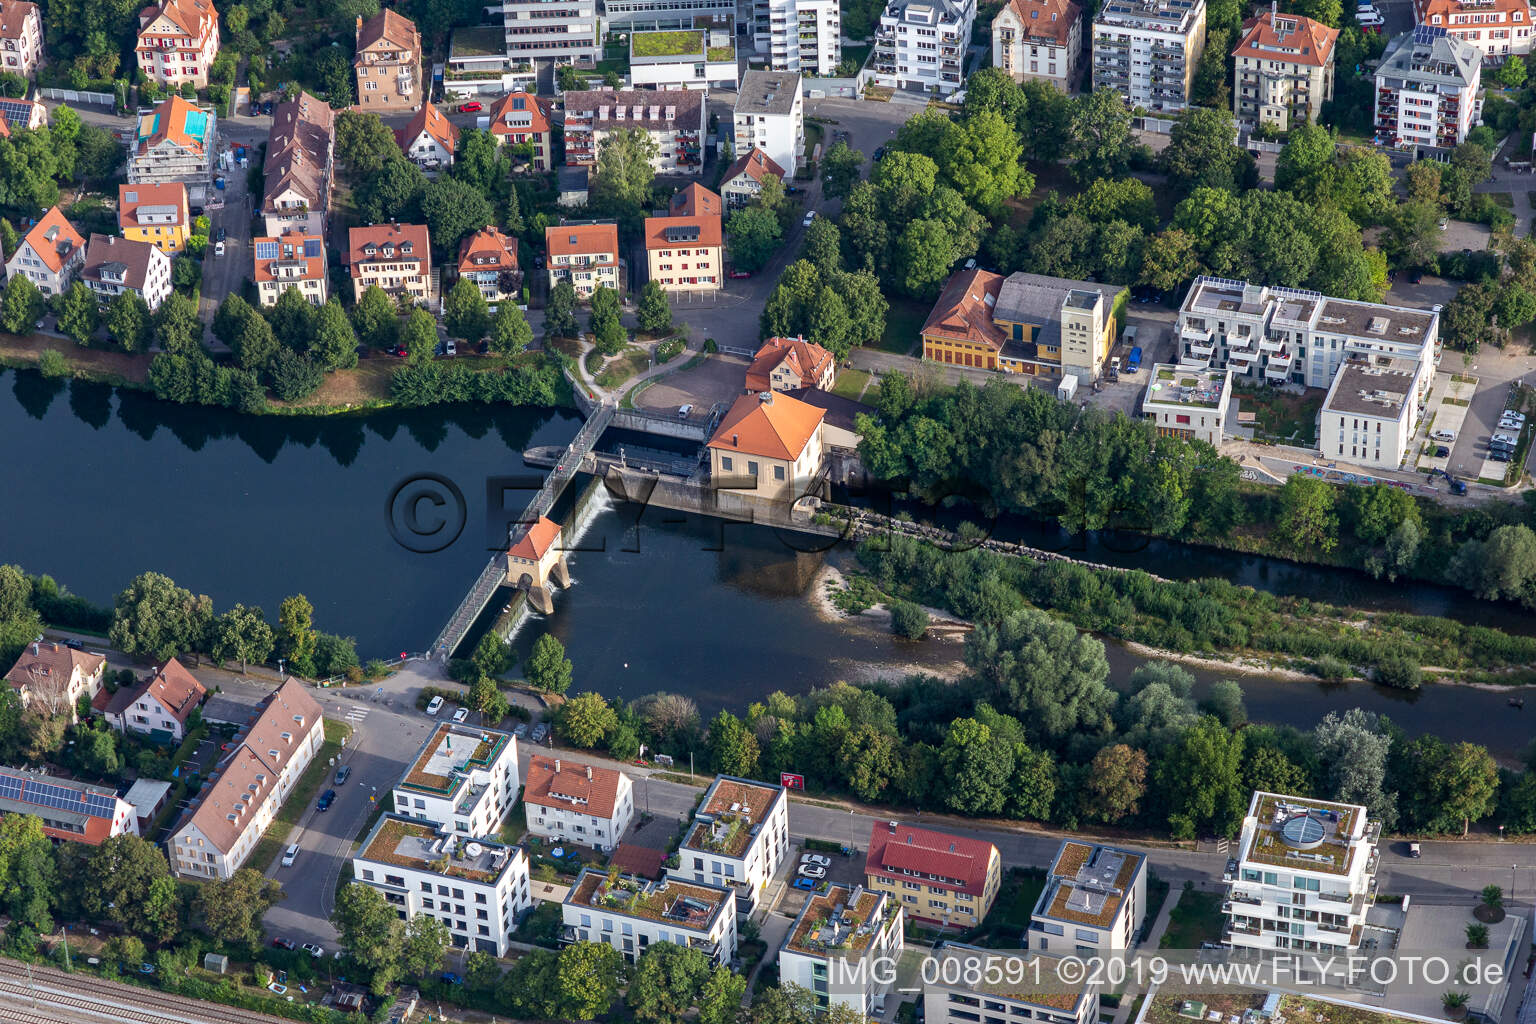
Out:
{"x": 115, "y": 265}
{"x": 50, "y": 255}
{"x": 520, "y": 118}
{"x": 489, "y": 258}
{"x": 21, "y": 37}
{"x": 292, "y": 260}
{"x": 571, "y": 802}
{"x": 396, "y": 257}
{"x": 587, "y": 255}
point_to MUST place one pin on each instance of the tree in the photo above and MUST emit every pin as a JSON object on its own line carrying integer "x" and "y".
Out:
{"x": 752, "y": 235}
{"x": 1511, "y": 74}
{"x": 292, "y": 318}
{"x": 334, "y": 343}
{"x": 393, "y": 192}
{"x": 588, "y": 979}
{"x": 560, "y": 311}
{"x": 293, "y": 377}
{"x": 21, "y": 306}
{"x": 232, "y": 908}
{"x": 419, "y": 336}
{"x": 1451, "y": 784}
{"x": 1307, "y": 517}
{"x": 129, "y": 322}
{"x": 625, "y": 169}
{"x": 1199, "y": 778}
{"x": 1125, "y": 199}
{"x": 364, "y": 143}
{"x": 296, "y": 634}
{"x": 1492, "y": 897}
{"x": 1413, "y": 235}
{"x": 547, "y": 667}
{"x": 666, "y": 983}
{"x": 823, "y": 246}
{"x": 485, "y": 698}
{"x": 585, "y": 719}
{"x": 1168, "y": 260}
{"x": 370, "y": 930}
{"x": 976, "y": 767}
{"x": 1225, "y": 700}
{"x": 720, "y": 1001}
{"x": 154, "y": 618}
{"x": 1352, "y": 752}
{"x": 128, "y": 883}
{"x": 1202, "y": 152}
{"x": 908, "y": 619}
{"x": 1115, "y": 784}
{"x": 1305, "y": 157}
{"x": 241, "y": 633}
{"x": 733, "y": 750}
{"x": 27, "y": 871}
{"x": 177, "y": 329}
{"x": 465, "y": 313}
{"x": 654, "y": 313}
{"x": 454, "y": 209}
{"x": 426, "y": 941}
{"x": 1043, "y": 669}
{"x": 981, "y": 159}
{"x": 841, "y": 165}
{"x": 375, "y": 319}
{"x": 78, "y": 315}
{"x": 1098, "y": 135}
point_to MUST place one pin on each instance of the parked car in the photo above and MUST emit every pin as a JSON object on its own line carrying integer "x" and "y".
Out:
{"x": 810, "y": 215}
{"x": 879, "y": 154}
{"x": 218, "y": 248}
{"x": 970, "y": 264}
{"x": 74, "y": 645}
{"x": 1457, "y": 487}
{"x": 343, "y": 774}
{"x": 793, "y": 190}
{"x": 472, "y": 107}
{"x": 812, "y": 871}
{"x": 1442, "y": 452}
{"x": 1499, "y": 455}
{"x": 806, "y": 883}
{"x": 266, "y": 108}
{"x": 434, "y": 705}
{"x": 737, "y": 275}
{"x": 220, "y": 235}
{"x": 1443, "y": 435}
{"x": 313, "y": 950}
{"x": 326, "y": 799}
{"x": 290, "y": 855}
{"x": 521, "y": 732}
{"x": 684, "y": 411}
{"x": 448, "y": 976}
{"x": 461, "y": 714}
{"x": 540, "y": 731}
{"x": 1414, "y": 851}
{"x": 282, "y": 943}
{"x": 815, "y": 858}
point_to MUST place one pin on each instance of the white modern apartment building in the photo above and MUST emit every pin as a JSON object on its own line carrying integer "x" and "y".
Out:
{"x": 564, "y": 32}
{"x": 1370, "y": 413}
{"x": 571, "y": 802}
{"x": 841, "y": 947}
{"x": 664, "y": 15}
{"x": 739, "y": 837}
{"x": 1040, "y": 40}
{"x": 1306, "y": 875}
{"x": 478, "y": 888}
{"x": 1281, "y": 335}
{"x": 464, "y": 779}
{"x": 1188, "y": 401}
{"x": 799, "y": 35}
{"x": 1094, "y": 899}
{"x": 770, "y": 116}
{"x": 632, "y": 914}
{"x": 1497, "y": 28}
{"x": 920, "y": 45}
{"x": 1426, "y": 89}
{"x": 1148, "y": 50}
{"x": 1003, "y": 989}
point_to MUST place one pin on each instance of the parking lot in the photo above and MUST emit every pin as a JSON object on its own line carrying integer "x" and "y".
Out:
{"x": 1445, "y": 411}
{"x": 719, "y": 378}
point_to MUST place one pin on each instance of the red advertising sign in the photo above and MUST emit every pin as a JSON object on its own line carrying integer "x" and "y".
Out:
{"x": 789, "y": 780}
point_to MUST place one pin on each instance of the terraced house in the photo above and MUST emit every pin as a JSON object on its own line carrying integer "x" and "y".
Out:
{"x": 739, "y": 837}
{"x": 388, "y": 63}
{"x": 299, "y": 168}
{"x": 943, "y": 879}
{"x": 156, "y": 214}
{"x": 178, "y": 41}
{"x": 1094, "y": 899}
{"x": 630, "y": 914}
{"x": 674, "y": 119}
{"x": 463, "y": 779}
{"x": 839, "y": 945}
{"x": 395, "y": 257}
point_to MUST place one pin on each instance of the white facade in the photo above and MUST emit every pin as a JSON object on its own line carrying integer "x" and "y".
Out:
{"x": 920, "y": 45}
{"x": 477, "y": 888}
{"x": 964, "y": 1003}
{"x": 635, "y": 914}
{"x": 464, "y": 779}
{"x": 707, "y": 60}
{"x": 799, "y": 35}
{"x": 50, "y": 255}
{"x": 115, "y": 265}
{"x": 565, "y": 35}
{"x": 427, "y": 151}
{"x": 739, "y": 838}
{"x": 566, "y": 801}
{"x": 1188, "y": 402}
{"x": 1148, "y": 50}
{"x": 841, "y": 946}
{"x": 770, "y": 115}
{"x": 1426, "y": 89}
{"x": 1370, "y": 413}
{"x": 641, "y": 15}
{"x": 1306, "y": 875}
{"x": 21, "y": 37}
{"x": 1497, "y": 28}
{"x": 1040, "y": 40}
{"x": 1094, "y": 900}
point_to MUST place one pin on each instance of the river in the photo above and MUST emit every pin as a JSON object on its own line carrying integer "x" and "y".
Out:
{"x": 109, "y": 483}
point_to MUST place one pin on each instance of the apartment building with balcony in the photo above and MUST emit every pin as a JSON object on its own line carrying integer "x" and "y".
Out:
{"x": 561, "y": 31}
{"x": 300, "y": 166}
{"x": 632, "y": 914}
{"x": 520, "y": 118}
{"x": 1148, "y": 50}
{"x": 674, "y": 118}
{"x": 701, "y": 57}
{"x": 971, "y": 984}
{"x": 586, "y": 255}
{"x": 464, "y": 779}
{"x": 115, "y": 265}
{"x": 1370, "y": 413}
{"x": 178, "y": 41}
{"x": 1039, "y": 40}
{"x": 1283, "y": 70}
{"x": 1496, "y": 28}
{"x": 798, "y": 35}
{"x": 396, "y": 257}
{"x": 920, "y": 45}
{"x": 566, "y": 801}
{"x": 477, "y": 887}
{"x": 291, "y": 260}
{"x": 1426, "y": 90}
{"x": 770, "y": 116}
{"x": 1306, "y": 875}
{"x": 1094, "y": 899}
{"x": 1188, "y": 401}
{"x": 388, "y": 63}
{"x": 739, "y": 837}
{"x": 478, "y": 65}
{"x": 841, "y": 946}
{"x": 175, "y": 141}
{"x": 686, "y": 253}
{"x": 21, "y": 37}
{"x": 50, "y": 254}
{"x": 489, "y": 258}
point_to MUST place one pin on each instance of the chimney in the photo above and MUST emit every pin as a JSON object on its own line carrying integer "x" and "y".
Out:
{"x": 589, "y": 773}
{"x": 557, "y": 766}
{"x": 359, "y": 24}
{"x": 34, "y": 650}
{"x": 892, "y": 826}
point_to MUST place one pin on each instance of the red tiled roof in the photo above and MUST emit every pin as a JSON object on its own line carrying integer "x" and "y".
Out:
{"x": 290, "y": 249}
{"x": 808, "y": 361}
{"x": 190, "y": 16}
{"x": 176, "y": 689}
{"x": 1425, "y": 9}
{"x": 431, "y": 120}
{"x": 540, "y": 537}
{"x": 964, "y": 309}
{"x": 1304, "y": 41}
{"x": 508, "y": 106}
{"x": 395, "y": 29}
{"x": 776, "y": 428}
{"x": 381, "y": 235}
{"x": 960, "y": 862}
{"x": 131, "y": 197}
{"x": 583, "y": 240}
{"x": 488, "y": 249}
{"x": 170, "y": 122}
{"x": 557, "y": 782}
{"x": 40, "y": 661}
{"x": 756, "y": 165}
{"x": 54, "y": 239}
{"x": 696, "y": 201}
{"x": 14, "y": 15}
{"x": 656, "y": 228}
{"x": 1046, "y": 19}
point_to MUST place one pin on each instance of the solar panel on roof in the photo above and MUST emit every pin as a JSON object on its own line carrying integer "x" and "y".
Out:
{"x": 266, "y": 250}
{"x": 1427, "y": 34}
{"x": 311, "y": 247}
{"x": 682, "y": 233}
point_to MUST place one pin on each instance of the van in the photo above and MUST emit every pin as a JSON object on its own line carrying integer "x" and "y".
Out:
{"x": 1368, "y": 20}
{"x": 1133, "y": 361}
{"x": 684, "y": 411}
{"x": 290, "y": 855}
{"x": 1443, "y": 435}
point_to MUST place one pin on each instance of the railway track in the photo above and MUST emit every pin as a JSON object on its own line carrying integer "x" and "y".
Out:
{"x": 106, "y": 1000}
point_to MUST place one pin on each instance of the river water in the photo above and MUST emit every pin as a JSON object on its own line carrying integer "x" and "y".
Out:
{"x": 105, "y": 484}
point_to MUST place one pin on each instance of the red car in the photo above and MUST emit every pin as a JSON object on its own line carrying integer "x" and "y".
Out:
{"x": 469, "y": 108}
{"x": 400, "y": 351}
{"x": 738, "y": 274}
{"x": 282, "y": 943}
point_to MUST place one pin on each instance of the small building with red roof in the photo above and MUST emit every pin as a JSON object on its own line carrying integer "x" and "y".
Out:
{"x": 586, "y": 255}
{"x": 575, "y": 802}
{"x": 685, "y": 254}
{"x": 1283, "y": 70}
{"x": 489, "y": 258}
{"x": 696, "y": 201}
{"x": 50, "y": 254}
{"x": 744, "y": 179}
{"x": 519, "y": 118}
{"x": 960, "y": 330}
{"x": 768, "y": 446}
{"x": 535, "y": 557}
{"x": 940, "y": 878}
{"x": 430, "y": 139}
{"x": 784, "y": 364}
{"x": 159, "y": 706}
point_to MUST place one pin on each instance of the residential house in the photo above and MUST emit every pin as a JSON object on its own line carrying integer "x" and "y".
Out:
{"x": 430, "y": 139}
{"x": 489, "y": 258}
{"x": 1039, "y": 40}
{"x": 702, "y": 57}
{"x": 396, "y": 257}
{"x": 388, "y": 63}
{"x": 1094, "y": 900}
{"x": 463, "y": 779}
{"x": 570, "y": 802}
{"x": 293, "y": 260}
{"x": 798, "y": 35}
{"x": 674, "y": 119}
{"x": 178, "y": 41}
{"x": 768, "y": 447}
{"x": 631, "y": 914}
{"x": 1283, "y": 70}
{"x": 51, "y": 253}
{"x": 686, "y": 253}
{"x": 941, "y": 878}
{"x": 300, "y": 167}
{"x": 1148, "y": 50}
{"x": 770, "y": 115}
{"x": 842, "y": 948}
{"x": 1306, "y": 875}
{"x": 233, "y": 810}
{"x": 568, "y": 34}
{"x": 1374, "y": 405}
{"x": 1189, "y": 402}
{"x": 21, "y": 113}
{"x": 974, "y": 984}
{"x": 115, "y": 265}
{"x": 783, "y": 364}
{"x": 1426, "y": 89}
{"x": 21, "y": 37}
{"x": 75, "y": 812}
{"x": 520, "y": 118}
{"x": 175, "y": 142}
{"x": 586, "y": 255}
{"x": 694, "y": 200}
{"x": 53, "y": 677}
{"x": 920, "y": 45}
{"x": 1497, "y": 29}
{"x": 743, "y": 180}
{"x": 158, "y": 706}
{"x": 477, "y": 887}
{"x": 739, "y": 837}
{"x": 156, "y": 214}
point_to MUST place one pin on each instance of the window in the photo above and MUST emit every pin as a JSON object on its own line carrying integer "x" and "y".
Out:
{"x": 778, "y": 472}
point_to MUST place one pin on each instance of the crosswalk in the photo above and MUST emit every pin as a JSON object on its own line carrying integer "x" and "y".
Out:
{"x": 356, "y": 714}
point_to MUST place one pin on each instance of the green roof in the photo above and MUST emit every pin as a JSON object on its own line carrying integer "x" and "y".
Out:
{"x": 684, "y": 43}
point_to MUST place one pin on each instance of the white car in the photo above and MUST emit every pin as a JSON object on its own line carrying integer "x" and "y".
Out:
{"x": 808, "y": 218}
{"x": 290, "y": 855}
{"x": 1368, "y": 20}
{"x": 812, "y": 871}
{"x": 1443, "y": 435}
{"x": 815, "y": 858}
{"x": 218, "y": 248}
{"x": 461, "y": 714}
{"x": 434, "y": 705}
{"x": 313, "y": 950}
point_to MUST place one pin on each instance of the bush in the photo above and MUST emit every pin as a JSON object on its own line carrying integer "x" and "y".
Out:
{"x": 1331, "y": 669}
{"x": 908, "y": 619}
{"x": 1399, "y": 672}
{"x": 52, "y": 363}
{"x": 669, "y": 349}
{"x": 710, "y": 345}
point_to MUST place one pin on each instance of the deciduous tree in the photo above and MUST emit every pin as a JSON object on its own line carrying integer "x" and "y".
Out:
{"x": 560, "y": 311}
{"x": 78, "y": 315}
{"x": 154, "y": 618}
{"x": 465, "y": 313}
{"x": 232, "y": 908}
{"x": 547, "y": 667}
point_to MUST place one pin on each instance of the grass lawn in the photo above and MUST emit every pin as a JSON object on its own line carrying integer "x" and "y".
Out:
{"x": 851, "y": 384}
{"x": 1009, "y": 918}
{"x": 668, "y": 44}
{"x": 1281, "y": 416}
{"x": 858, "y": 53}
{"x": 299, "y": 799}
{"x": 904, "y": 327}
{"x": 1504, "y": 199}
{"x": 1196, "y": 918}
{"x": 619, "y": 370}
